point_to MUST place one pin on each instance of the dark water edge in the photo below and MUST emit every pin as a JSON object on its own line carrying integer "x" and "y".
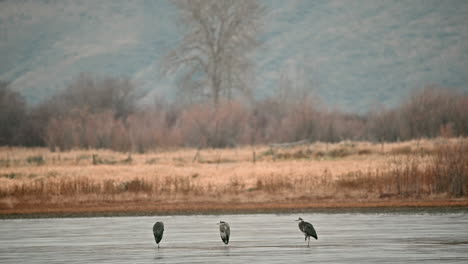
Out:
{"x": 334, "y": 210}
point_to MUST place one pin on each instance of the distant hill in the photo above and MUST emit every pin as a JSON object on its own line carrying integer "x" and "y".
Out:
{"x": 352, "y": 54}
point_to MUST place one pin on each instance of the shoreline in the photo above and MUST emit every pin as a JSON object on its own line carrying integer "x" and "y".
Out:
{"x": 214, "y": 208}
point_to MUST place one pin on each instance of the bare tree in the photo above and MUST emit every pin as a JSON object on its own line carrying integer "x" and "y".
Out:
{"x": 97, "y": 94}
{"x": 213, "y": 58}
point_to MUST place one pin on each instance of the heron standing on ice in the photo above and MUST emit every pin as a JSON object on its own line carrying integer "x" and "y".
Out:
{"x": 158, "y": 230}
{"x": 307, "y": 229}
{"x": 224, "y": 231}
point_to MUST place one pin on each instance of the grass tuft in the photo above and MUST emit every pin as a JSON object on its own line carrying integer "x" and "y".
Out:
{"x": 36, "y": 160}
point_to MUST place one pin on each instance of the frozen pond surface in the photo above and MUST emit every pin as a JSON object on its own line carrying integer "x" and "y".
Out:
{"x": 255, "y": 238}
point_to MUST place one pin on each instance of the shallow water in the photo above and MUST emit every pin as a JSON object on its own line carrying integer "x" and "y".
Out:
{"x": 259, "y": 238}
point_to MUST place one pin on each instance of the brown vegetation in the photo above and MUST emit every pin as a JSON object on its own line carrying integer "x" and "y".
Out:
{"x": 341, "y": 174}
{"x": 101, "y": 113}
{"x": 232, "y": 154}
{"x": 444, "y": 172}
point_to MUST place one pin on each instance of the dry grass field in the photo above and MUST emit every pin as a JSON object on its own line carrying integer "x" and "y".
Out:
{"x": 345, "y": 174}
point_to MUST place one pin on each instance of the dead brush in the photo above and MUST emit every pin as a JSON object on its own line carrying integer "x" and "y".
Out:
{"x": 446, "y": 172}
{"x": 274, "y": 183}
{"x": 441, "y": 172}
{"x": 136, "y": 185}
{"x": 449, "y": 169}
{"x": 340, "y": 152}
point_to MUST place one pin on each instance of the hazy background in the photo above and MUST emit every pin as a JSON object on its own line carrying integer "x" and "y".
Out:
{"x": 352, "y": 54}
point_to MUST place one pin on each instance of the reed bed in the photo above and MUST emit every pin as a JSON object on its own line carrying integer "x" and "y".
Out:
{"x": 358, "y": 171}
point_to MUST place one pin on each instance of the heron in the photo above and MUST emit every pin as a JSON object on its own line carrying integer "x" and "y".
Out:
{"x": 158, "y": 230}
{"x": 308, "y": 230}
{"x": 224, "y": 231}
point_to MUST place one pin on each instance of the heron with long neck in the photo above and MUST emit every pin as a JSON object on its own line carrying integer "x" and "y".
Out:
{"x": 308, "y": 230}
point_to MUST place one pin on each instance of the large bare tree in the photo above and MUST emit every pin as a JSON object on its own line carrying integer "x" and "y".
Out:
{"x": 214, "y": 56}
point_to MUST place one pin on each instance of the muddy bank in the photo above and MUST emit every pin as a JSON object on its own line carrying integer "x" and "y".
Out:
{"x": 188, "y": 208}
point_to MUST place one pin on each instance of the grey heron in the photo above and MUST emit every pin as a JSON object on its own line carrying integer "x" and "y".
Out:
{"x": 224, "y": 231}
{"x": 158, "y": 230}
{"x": 308, "y": 230}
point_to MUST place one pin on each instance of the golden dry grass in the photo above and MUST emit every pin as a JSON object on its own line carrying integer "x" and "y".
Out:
{"x": 342, "y": 173}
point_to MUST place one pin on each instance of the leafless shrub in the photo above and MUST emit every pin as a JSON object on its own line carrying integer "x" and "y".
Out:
{"x": 98, "y": 112}
{"x": 206, "y": 126}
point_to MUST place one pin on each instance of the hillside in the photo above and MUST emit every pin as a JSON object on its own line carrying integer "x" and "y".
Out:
{"x": 354, "y": 55}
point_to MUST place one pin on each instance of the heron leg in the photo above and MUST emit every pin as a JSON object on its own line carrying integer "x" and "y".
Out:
{"x": 308, "y": 242}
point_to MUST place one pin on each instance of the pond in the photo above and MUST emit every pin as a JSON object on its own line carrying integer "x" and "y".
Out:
{"x": 255, "y": 238}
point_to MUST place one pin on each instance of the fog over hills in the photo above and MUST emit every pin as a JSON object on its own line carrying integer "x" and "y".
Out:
{"x": 351, "y": 54}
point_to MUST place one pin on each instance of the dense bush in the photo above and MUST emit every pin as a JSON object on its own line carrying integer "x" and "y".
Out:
{"x": 12, "y": 115}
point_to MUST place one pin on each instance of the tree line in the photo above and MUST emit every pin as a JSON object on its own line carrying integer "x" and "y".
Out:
{"x": 104, "y": 112}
